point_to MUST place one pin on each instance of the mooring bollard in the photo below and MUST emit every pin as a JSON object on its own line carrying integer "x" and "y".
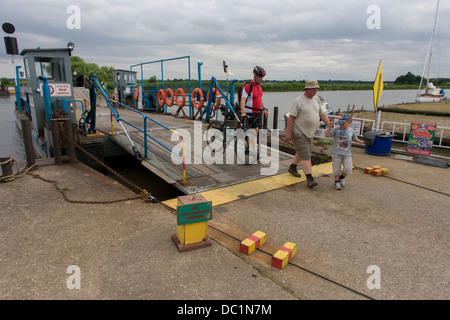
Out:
{"x": 275, "y": 118}
{"x": 57, "y": 152}
{"x": 6, "y": 164}
{"x": 69, "y": 140}
{"x": 28, "y": 142}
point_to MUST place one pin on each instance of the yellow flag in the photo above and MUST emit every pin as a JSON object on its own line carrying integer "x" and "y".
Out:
{"x": 378, "y": 87}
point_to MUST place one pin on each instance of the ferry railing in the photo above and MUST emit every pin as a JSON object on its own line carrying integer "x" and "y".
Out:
{"x": 144, "y": 130}
{"x": 229, "y": 101}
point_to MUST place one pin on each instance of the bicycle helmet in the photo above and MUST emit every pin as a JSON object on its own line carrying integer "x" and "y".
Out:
{"x": 259, "y": 71}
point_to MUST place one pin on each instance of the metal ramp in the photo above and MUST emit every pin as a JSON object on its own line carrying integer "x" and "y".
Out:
{"x": 199, "y": 176}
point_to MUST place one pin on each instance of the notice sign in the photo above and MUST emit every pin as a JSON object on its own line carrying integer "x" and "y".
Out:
{"x": 421, "y": 138}
{"x": 193, "y": 213}
{"x": 58, "y": 89}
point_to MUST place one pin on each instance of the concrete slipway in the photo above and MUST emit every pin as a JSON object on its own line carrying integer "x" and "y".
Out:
{"x": 123, "y": 248}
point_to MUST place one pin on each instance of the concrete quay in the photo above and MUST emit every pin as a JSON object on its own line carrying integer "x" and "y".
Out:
{"x": 383, "y": 238}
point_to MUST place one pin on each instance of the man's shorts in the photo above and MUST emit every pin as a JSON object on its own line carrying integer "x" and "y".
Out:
{"x": 302, "y": 145}
{"x": 346, "y": 161}
{"x": 255, "y": 120}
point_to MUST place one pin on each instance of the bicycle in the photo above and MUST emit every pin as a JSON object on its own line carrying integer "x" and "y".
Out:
{"x": 220, "y": 134}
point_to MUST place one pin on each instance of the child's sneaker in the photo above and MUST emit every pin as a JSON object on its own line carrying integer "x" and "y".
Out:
{"x": 342, "y": 182}
{"x": 337, "y": 185}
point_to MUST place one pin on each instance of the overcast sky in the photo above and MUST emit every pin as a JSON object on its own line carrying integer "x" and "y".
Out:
{"x": 291, "y": 39}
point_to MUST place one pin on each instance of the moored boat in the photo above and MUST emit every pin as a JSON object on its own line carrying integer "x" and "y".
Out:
{"x": 431, "y": 93}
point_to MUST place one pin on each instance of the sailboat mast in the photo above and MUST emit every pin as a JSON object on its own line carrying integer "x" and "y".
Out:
{"x": 427, "y": 65}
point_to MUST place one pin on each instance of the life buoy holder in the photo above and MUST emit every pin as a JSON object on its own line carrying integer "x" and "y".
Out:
{"x": 194, "y": 96}
{"x": 183, "y": 101}
{"x": 161, "y": 97}
{"x": 136, "y": 94}
{"x": 169, "y": 97}
{"x": 218, "y": 99}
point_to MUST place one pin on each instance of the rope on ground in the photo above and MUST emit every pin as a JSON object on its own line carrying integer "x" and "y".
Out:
{"x": 410, "y": 183}
{"x": 143, "y": 192}
{"x": 66, "y": 197}
{"x": 20, "y": 172}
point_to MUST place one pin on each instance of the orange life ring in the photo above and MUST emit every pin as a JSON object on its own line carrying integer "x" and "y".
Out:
{"x": 183, "y": 102}
{"x": 169, "y": 100}
{"x": 218, "y": 98}
{"x": 194, "y": 101}
{"x": 161, "y": 97}
{"x": 136, "y": 94}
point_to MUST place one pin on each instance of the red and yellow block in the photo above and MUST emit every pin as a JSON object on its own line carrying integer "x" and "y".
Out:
{"x": 284, "y": 255}
{"x": 369, "y": 170}
{"x": 380, "y": 172}
{"x": 253, "y": 242}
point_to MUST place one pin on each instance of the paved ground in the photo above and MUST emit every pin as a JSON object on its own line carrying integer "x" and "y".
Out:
{"x": 397, "y": 224}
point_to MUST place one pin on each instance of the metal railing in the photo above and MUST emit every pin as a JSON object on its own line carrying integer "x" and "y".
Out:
{"x": 145, "y": 119}
{"x": 407, "y": 128}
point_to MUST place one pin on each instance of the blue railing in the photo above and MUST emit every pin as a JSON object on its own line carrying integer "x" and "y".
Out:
{"x": 94, "y": 81}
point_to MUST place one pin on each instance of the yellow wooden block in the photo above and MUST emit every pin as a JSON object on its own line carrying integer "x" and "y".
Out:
{"x": 249, "y": 245}
{"x": 379, "y": 172}
{"x": 281, "y": 258}
{"x": 369, "y": 170}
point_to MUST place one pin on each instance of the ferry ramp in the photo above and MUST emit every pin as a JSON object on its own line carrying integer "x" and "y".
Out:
{"x": 159, "y": 149}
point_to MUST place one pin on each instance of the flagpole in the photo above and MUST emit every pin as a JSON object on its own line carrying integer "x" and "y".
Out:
{"x": 377, "y": 89}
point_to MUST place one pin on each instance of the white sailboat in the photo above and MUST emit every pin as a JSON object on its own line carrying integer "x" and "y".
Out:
{"x": 430, "y": 93}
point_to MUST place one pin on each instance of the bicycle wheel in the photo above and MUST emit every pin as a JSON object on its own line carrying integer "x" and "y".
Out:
{"x": 246, "y": 146}
{"x": 214, "y": 136}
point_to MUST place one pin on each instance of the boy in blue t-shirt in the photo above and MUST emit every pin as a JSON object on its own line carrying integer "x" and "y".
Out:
{"x": 340, "y": 152}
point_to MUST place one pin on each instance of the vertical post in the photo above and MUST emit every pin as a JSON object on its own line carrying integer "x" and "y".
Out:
{"x": 69, "y": 140}
{"x": 57, "y": 152}
{"x": 112, "y": 125}
{"x": 47, "y": 100}
{"x": 28, "y": 142}
{"x": 379, "y": 118}
{"x": 17, "y": 90}
{"x": 275, "y": 117}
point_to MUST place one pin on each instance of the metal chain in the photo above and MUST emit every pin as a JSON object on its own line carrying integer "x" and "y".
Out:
{"x": 143, "y": 192}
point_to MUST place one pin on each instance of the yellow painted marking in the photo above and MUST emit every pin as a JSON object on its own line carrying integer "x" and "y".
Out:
{"x": 228, "y": 194}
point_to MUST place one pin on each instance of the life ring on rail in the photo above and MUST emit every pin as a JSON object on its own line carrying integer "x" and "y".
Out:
{"x": 169, "y": 100}
{"x": 136, "y": 94}
{"x": 218, "y": 98}
{"x": 194, "y": 101}
{"x": 161, "y": 97}
{"x": 183, "y": 101}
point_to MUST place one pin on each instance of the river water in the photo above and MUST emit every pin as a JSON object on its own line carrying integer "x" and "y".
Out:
{"x": 11, "y": 142}
{"x": 340, "y": 99}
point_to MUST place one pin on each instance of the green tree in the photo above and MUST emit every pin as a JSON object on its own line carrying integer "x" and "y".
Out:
{"x": 83, "y": 68}
{"x": 5, "y": 82}
{"x": 408, "y": 78}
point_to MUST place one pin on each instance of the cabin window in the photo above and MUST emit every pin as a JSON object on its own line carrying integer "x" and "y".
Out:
{"x": 51, "y": 68}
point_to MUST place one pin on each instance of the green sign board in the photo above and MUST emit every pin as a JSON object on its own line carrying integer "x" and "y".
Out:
{"x": 193, "y": 213}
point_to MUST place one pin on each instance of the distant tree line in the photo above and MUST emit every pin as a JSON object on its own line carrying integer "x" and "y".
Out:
{"x": 80, "y": 67}
{"x": 410, "y": 78}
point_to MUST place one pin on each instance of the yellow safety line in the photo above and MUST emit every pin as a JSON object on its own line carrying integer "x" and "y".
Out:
{"x": 228, "y": 194}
